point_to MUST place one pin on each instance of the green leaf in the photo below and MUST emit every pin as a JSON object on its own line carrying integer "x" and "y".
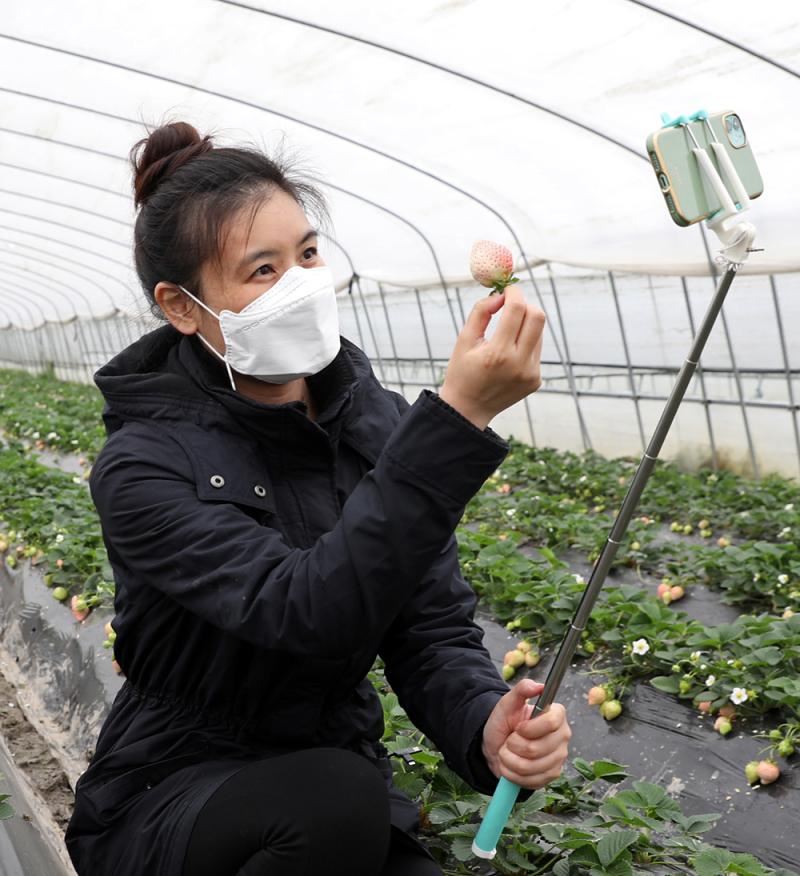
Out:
{"x": 614, "y": 843}
{"x": 666, "y": 683}
{"x": 712, "y": 862}
{"x": 608, "y": 770}
{"x": 584, "y": 768}
{"x": 461, "y": 847}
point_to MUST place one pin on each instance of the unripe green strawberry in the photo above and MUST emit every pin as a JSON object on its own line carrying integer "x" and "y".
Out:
{"x": 492, "y": 265}
{"x": 723, "y": 726}
{"x": 3, "y": 545}
{"x": 751, "y": 771}
{"x": 775, "y": 735}
{"x": 786, "y": 748}
{"x": 508, "y": 672}
{"x": 685, "y": 686}
{"x": 703, "y": 524}
{"x": 635, "y": 546}
{"x": 675, "y": 526}
{"x": 768, "y": 771}
{"x": 611, "y": 709}
{"x": 48, "y": 579}
{"x": 687, "y": 530}
{"x": 596, "y": 696}
{"x": 60, "y": 593}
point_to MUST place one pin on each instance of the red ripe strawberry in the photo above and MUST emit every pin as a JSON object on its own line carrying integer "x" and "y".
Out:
{"x": 768, "y": 771}
{"x": 492, "y": 265}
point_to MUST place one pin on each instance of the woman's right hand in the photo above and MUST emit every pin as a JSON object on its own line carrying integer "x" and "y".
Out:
{"x": 484, "y": 376}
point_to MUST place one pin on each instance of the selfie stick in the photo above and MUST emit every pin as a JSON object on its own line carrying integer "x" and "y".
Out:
{"x": 736, "y": 238}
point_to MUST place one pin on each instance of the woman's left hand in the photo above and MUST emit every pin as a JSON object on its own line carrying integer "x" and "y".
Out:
{"x": 528, "y": 752}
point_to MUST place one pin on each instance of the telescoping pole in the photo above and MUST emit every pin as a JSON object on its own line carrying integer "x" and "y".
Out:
{"x": 485, "y": 843}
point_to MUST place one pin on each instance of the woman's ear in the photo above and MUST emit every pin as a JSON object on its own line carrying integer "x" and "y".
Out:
{"x": 178, "y": 307}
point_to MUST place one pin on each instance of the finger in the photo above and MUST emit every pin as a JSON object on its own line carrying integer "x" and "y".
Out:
{"x": 514, "y": 310}
{"x": 541, "y": 747}
{"x": 544, "y": 723}
{"x": 480, "y": 316}
{"x": 525, "y": 772}
{"x": 531, "y": 332}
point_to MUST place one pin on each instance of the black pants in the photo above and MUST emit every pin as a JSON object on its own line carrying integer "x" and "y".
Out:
{"x": 322, "y": 810}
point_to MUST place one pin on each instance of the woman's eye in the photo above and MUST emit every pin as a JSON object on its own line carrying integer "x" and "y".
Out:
{"x": 310, "y": 253}
{"x": 258, "y": 271}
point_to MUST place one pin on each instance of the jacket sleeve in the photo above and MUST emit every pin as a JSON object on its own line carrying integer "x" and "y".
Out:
{"x": 442, "y": 674}
{"x": 241, "y": 576}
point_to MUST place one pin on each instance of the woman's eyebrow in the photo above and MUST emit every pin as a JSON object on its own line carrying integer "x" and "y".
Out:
{"x": 269, "y": 253}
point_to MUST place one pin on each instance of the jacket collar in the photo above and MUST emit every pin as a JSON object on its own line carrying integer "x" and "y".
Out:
{"x": 167, "y": 375}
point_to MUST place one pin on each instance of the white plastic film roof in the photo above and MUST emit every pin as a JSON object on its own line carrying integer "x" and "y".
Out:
{"x": 431, "y": 123}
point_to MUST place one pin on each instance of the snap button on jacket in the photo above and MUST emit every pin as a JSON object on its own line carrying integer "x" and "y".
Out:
{"x": 262, "y": 561}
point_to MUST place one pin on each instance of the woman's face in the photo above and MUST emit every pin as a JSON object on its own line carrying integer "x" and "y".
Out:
{"x": 250, "y": 265}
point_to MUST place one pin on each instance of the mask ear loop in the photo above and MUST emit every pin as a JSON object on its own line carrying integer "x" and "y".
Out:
{"x": 210, "y": 347}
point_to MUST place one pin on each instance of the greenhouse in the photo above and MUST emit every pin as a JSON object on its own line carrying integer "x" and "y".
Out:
{"x": 211, "y": 551}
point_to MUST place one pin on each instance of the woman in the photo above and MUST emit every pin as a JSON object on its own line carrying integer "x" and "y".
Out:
{"x": 275, "y": 520}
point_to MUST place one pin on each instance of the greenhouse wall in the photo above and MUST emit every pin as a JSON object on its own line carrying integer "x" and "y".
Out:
{"x": 612, "y": 349}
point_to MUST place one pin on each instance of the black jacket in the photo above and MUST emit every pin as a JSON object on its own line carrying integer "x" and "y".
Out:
{"x": 262, "y": 560}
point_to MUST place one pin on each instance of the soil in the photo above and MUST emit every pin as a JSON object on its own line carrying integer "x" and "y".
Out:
{"x": 32, "y": 755}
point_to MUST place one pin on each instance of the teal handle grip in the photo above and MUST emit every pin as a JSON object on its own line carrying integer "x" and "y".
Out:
{"x": 485, "y": 843}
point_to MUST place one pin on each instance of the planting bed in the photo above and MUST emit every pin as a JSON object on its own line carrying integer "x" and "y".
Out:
{"x": 725, "y": 637}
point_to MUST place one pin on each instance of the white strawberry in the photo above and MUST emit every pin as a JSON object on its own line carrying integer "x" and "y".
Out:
{"x": 492, "y": 265}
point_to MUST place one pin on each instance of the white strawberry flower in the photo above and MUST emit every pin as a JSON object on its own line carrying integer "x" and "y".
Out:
{"x": 511, "y": 512}
{"x": 738, "y": 696}
{"x": 785, "y": 531}
{"x": 59, "y": 538}
{"x": 35, "y": 435}
{"x": 76, "y": 480}
{"x": 640, "y": 647}
{"x": 789, "y": 507}
{"x": 703, "y": 666}
{"x": 757, "y": 576}
{"x": 695, "y": 656}
{"x": 710, "y": 680}
{"x": 580, "y": 579}
{"x": 581, "y": 479}
{"x": 783, "y": 579}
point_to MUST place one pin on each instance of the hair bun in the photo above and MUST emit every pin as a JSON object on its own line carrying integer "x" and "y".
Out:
{"x": 165, "y": 150}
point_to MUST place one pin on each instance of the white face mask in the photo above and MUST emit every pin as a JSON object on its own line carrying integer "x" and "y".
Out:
{"x": 290, "y": 331}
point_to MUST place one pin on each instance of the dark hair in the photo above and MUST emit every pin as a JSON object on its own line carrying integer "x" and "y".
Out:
{"x": 187, "y": 189}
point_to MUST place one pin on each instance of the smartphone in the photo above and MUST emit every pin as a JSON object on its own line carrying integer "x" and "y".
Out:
{"x": 686, "y": 189}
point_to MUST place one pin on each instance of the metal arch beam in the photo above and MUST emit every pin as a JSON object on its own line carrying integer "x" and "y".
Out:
{"x": 9, "y": 289}
{"x": 718, "y": 36}
{"x": 414, "y": 228}
{"x": 129, "y": 120}
{"x": 62, "y": 258}
{"x": 60, "y": 142}
{"x": 66, "y": 271}
{"x": 67, "y": 206}
{"x": 63, "y": 225}
{"x": 72, "y": 246}
{"x": 473, "y": 80}
{"x": 28, "y": 274}
{"x": 77, "y": 182}
{"x": 374, "y": 150}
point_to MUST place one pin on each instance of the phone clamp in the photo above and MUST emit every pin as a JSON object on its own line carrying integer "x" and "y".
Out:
{"x": 735, "y": 234}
